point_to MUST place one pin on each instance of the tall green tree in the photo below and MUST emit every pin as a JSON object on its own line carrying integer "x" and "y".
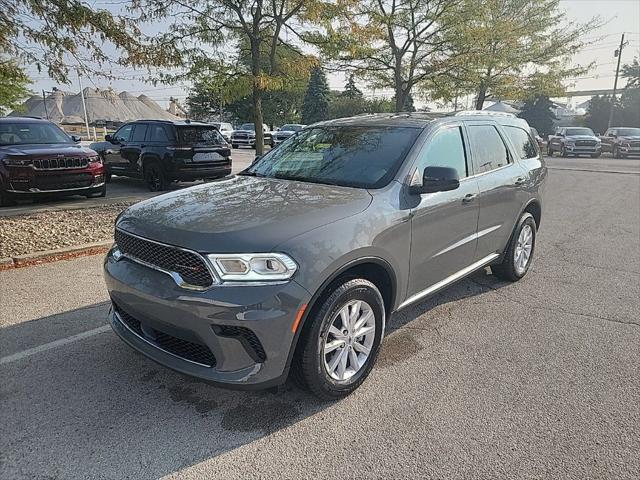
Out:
{"x": 14, "y": 86}
{"x": 396, "y": 44}
{"x": 537, "y": 111}
{"x": 351, "y": 90}
{"x": 631, "y": 72}
{"x": 597, "y": 116}
{"x": 512, "y": 49}
{"x": 316, "y": 101}
{"x": 57, "y": 35}
{"x": 201, "y": 33}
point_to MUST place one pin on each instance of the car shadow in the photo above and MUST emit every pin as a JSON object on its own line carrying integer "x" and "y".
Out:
{"x": 96, "y": 408}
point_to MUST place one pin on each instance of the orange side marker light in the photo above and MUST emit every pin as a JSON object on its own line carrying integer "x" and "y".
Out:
{"x": 299, "y": 315}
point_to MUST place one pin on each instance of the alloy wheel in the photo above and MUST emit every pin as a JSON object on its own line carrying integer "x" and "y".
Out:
{"x": 523, "y": 249}
{"x": 348, "y": 342}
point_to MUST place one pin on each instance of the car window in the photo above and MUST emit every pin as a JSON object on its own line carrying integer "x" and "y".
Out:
{"x": 488, "y": 148}
{"x": 124, "y": 134}
{"x": 352, "y": 156}
{"x": 525, "y": 146}
{"x": 158, "y": 134}
{"x": 21, "y": 133}
{"x": 445, "y": 149}
{"x": 579, "y": 131}
{"x": 200, "y": 135}
{"x": 139, "y": 133}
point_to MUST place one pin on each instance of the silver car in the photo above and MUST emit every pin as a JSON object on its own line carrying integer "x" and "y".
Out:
{"x": 296, "y": 264}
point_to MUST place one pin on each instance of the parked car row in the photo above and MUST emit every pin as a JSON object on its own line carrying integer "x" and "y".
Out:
{"x": 619, "y": 141}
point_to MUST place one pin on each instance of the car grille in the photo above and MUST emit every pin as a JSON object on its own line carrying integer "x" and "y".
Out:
{"x": 185, "y": 349}
{"x": 189, "y": 265}
{"x": 240, "y": 136}
{"x": 57, "y": 163}
{"x": 246, "y": 336}
{"x": 586, "y": 143}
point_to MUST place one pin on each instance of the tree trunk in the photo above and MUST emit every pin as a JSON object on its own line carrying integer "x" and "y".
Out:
{"x": 482, "y": 95}
{"x": 257, "y": 96}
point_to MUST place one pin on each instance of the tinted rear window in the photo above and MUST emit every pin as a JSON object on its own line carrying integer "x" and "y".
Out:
{"x": 488, "y": 149}
{"x": 200, "y": 135}
{"x": 525, "y": 146}
{"x": 365, "y": 157}
{"x": 139, "y": 133}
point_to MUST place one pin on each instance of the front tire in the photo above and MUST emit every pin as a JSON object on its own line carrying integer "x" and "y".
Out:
{"x": 341, "y": 340}
{"x": 519, "y": 255}
{"x": 563, "y": 152}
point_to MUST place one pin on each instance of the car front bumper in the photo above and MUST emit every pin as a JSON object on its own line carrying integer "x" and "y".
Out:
{"x": 583, "y": 149}
{"x": 632, "y": 150}
{"x": 243, "y": 141}
{"x": 236, "y": 336}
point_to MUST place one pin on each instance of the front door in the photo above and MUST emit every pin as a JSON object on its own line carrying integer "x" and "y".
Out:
{"x": 113, "y": 158}
{"x": 444, "y": 224}
{"x": 132, "y": 150}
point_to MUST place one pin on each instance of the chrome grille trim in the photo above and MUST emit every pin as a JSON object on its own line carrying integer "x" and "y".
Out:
{"x": 60, "y": 163}
{"x": 176, "y": 276}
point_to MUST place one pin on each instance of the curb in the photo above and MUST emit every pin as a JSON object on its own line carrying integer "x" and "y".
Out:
{"x": 46, "y": 256}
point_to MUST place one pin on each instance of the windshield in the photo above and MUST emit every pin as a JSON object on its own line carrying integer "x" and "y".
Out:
{"x": 36, "y": 133}
{"x": 247, "y": 126}
{"x": 629, "y": 132}
{"x": 579, "y": 131}
{"x": 291, "y": 127}
{"x": 363, "y": 157}
{"x": 200, "y": 135}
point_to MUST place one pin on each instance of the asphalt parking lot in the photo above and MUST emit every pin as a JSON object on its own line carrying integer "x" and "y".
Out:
{"x": 538, "y": 379}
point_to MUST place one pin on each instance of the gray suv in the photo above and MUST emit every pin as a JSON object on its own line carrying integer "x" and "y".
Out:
{"x": 295, "y": 264}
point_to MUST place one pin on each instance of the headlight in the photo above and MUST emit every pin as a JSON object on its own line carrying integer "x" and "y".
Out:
{"x": 16, "y": 162}
{"x": 95, "y": 159}
{"x": 253, "y": 267}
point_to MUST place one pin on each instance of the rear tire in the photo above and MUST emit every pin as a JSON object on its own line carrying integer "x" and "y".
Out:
{"x": 519, "y": 255}
{"x": 332, "y": 359}
{"x": 155, "y": 177}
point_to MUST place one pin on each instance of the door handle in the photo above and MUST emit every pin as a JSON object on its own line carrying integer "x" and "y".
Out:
{"x": 469, "y": 197}
{"x": 519, "y": 181}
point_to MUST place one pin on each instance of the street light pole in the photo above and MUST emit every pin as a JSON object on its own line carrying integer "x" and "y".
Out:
{"x": 617, "y": 53}
{"x": 84, "y": 107}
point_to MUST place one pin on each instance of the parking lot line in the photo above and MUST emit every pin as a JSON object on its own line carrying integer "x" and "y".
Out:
{"x": 55, "y": 344}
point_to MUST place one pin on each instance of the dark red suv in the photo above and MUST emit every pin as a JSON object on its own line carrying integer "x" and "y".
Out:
{"x": 37, "y": 157}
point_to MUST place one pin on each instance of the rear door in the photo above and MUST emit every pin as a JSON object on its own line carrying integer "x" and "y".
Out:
{"x": 444, "y": 224}
{"x": 501, "y": 180}
{"x": 132, "y": 150}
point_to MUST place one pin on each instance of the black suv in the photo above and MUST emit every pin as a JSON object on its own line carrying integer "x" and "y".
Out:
{"x": 161, "y": 151}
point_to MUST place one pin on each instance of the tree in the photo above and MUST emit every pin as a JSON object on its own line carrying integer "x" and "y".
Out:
{"x": 397, "y": 44}
{"x": 316, "y": 101}
{"x": 205, "y": 100}
{"x": 14, "y": 86}
{"x": 597, "y": 116}
{"x": 54, "y": 35}
{"x": 512, "y": 49}
{"x": 201, "y": 33}
{"x": 537, "y": 112}
{"x": 632, "y": 73}
{"x": 351, "y": 90}
{"x": 342, "y": 106}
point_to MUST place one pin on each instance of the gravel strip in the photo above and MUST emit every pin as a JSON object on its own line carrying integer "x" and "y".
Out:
{"x": 50, "y": 230}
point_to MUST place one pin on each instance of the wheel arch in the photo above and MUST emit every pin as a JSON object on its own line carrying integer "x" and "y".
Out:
{"x": 375, "y": 269}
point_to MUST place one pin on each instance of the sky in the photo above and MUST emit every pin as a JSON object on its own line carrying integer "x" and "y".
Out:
{"x": 619, "y": 16}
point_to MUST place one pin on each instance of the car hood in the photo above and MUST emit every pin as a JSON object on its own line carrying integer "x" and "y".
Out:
{"x": 241, "y": 213}
{"x": 581, "y": 137}
{"x": 46, "y": 149}
{"x": 628, "y": 138}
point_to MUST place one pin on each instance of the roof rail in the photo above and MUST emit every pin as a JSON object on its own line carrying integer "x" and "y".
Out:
{"x": 483, "y": 112}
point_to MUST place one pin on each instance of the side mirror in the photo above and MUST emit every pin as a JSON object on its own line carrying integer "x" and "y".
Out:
{"x": 76, "y": 138}
{"x": 108, "y": 138}
{"x": 437, "y": 179}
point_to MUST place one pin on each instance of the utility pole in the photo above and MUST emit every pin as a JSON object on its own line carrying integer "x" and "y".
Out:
{"x": 617, "y": 53}
{"x": 44, "y": 102}
{"x": 84, "y": 107}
